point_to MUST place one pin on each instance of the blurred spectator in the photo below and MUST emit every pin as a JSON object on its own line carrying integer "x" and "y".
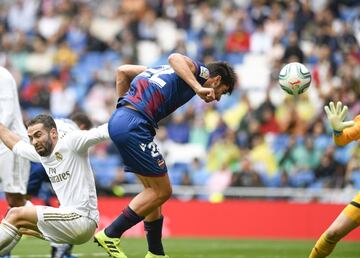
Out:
{"x": 293, "y": 52}
{"x": 238, "y": 41}
{"x": 178, "y": 128}
{"x": 327, "y": 168}
{"x": 51, "y": 26}
{"x": 61, "y": 93}
{"x": 247, "y": 175}
{"x": 26, "y": 9}
{"x": 198, "y": 133}
{"x": 218, "y": 181}
{"x": 260, "y": 41}
{"x": 224, "y": 153}
{"x": 262, "y": 155}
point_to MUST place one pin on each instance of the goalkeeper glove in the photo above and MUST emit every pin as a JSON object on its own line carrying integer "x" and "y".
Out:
{"x": 336, "y": 116}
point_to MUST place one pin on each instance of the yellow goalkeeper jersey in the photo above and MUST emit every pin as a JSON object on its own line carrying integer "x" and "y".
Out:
{"x": 349, "y": 134}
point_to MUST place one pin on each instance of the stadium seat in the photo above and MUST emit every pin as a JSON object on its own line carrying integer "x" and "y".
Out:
{"x": 177, "y": 173}
{"x": 302, "y": 178}
{"x": 105, "y": 169}
{"x": 355, "y": 178}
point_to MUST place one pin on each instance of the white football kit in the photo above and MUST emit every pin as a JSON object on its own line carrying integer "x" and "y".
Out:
{"x": 64, "y": 126}
{"x": 14, "y": 170}
{"x": 70, "y": 174}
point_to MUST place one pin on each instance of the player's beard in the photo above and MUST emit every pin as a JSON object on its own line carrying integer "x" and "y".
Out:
{"x": 47, "y": 148}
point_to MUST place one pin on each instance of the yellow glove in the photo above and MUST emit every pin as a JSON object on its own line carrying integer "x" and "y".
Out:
{"x": 336, "y": 116}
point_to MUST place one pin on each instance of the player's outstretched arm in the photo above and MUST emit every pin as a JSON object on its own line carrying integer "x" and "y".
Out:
{"x": 8, "y": 137}
{"x": 124, "y": 75}
{"x": 82, "y": 140}
{"x": 185, "y": 68}
{"x": 344, "y": 131}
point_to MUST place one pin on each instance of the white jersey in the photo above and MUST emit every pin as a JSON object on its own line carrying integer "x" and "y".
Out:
{"x": 64, "y": 126}
{"x": 10, "y": 113}
{"x": 68, "y": 168}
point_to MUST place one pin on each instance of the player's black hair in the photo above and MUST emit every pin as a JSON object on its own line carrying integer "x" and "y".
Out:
{"x": 44, "y": 119}
{"x": 226, "y": 71}
{"x": 82, "y": 120}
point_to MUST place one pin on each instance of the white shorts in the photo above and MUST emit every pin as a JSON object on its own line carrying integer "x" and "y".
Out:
{"x": 61, "y": 225}
{"x": 14, "y": 173}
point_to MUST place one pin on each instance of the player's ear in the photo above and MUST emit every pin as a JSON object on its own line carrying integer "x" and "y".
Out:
{"x": 218, "y": 79}
{"x": 53, "y": 132}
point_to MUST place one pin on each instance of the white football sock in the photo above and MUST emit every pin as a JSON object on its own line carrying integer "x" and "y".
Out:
{"x": 9, "y": 237}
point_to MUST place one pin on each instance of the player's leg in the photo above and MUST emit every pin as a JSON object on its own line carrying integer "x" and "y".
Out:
{"x": 14, "y": 172}
{"x": 348, "y": 220}
{"x": 64, "y": 228}
{"x": 16, "y": 218}
{"x": 133, "y": 136}
{"x": 156, "y": 191}
{"x": 153, "y": 224}
{"x": 37, "y": 177}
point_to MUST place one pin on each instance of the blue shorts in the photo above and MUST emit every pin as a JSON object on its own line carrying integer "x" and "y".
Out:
{"x": 133, "y": 136}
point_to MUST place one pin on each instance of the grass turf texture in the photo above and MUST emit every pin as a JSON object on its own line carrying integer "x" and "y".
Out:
{"x": 197, "y": 248}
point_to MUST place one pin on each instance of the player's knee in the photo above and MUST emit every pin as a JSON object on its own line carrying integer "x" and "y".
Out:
{"x": 333, "y": 235}
{"x": 165, "y": 194}
{"x": 14, "y": 215}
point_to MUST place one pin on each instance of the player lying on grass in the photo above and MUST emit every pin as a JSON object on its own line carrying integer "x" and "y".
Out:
{"x": 66, "y": 162}
{"x": 349, "y": 218}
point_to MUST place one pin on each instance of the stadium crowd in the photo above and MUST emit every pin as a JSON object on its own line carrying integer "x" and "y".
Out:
{"x": 64, "y": 53}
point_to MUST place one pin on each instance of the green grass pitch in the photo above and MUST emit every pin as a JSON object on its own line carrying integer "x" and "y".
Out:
{"x": 196, "y": 248}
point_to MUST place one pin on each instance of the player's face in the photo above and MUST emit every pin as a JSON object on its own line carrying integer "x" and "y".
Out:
{"x": 219, "y": 88}
{"x": 40, "y": 138}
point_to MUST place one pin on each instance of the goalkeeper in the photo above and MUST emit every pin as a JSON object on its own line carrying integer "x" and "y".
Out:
{"x": 349, "y": 218}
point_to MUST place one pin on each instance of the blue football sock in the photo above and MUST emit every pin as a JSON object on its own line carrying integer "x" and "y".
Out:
{"x": 153, "y": 235}
{"x": 126, "y": 220}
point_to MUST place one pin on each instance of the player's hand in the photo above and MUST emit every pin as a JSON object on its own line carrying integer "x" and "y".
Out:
{"x": 207, "y": 94}
{"x": 336, "y": 116}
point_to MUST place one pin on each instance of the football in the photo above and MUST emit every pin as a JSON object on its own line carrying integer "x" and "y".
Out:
{"x": 294, "y": 78}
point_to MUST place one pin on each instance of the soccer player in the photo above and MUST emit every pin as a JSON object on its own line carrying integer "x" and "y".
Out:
{"x": 77, "y": 121}
{"x": 14, "y": 171}
{"x": 349, "y": 218}
{"x": 67, "y": 166}
{"x": 146, "y": 96}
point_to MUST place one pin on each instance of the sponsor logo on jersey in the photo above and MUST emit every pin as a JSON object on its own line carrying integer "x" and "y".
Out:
{"x": 58, "y": 156}
{"x": 204, "y": 72}
{"x": 60, "y": 177}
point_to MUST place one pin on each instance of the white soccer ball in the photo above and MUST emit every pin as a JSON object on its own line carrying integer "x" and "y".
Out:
{"x": 294, "y": 78}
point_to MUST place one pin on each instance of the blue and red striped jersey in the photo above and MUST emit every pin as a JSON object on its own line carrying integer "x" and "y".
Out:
{"x": 159, "y": 91}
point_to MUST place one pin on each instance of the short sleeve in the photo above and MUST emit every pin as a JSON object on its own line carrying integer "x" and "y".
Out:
{"x": 202, "y": 73}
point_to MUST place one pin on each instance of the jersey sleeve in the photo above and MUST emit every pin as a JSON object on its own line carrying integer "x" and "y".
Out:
{"x": 349, "y": 134}
{"x": 82, "y": 140}
{"x": 202, "y": 73}
{"x": 26, "y": 151}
